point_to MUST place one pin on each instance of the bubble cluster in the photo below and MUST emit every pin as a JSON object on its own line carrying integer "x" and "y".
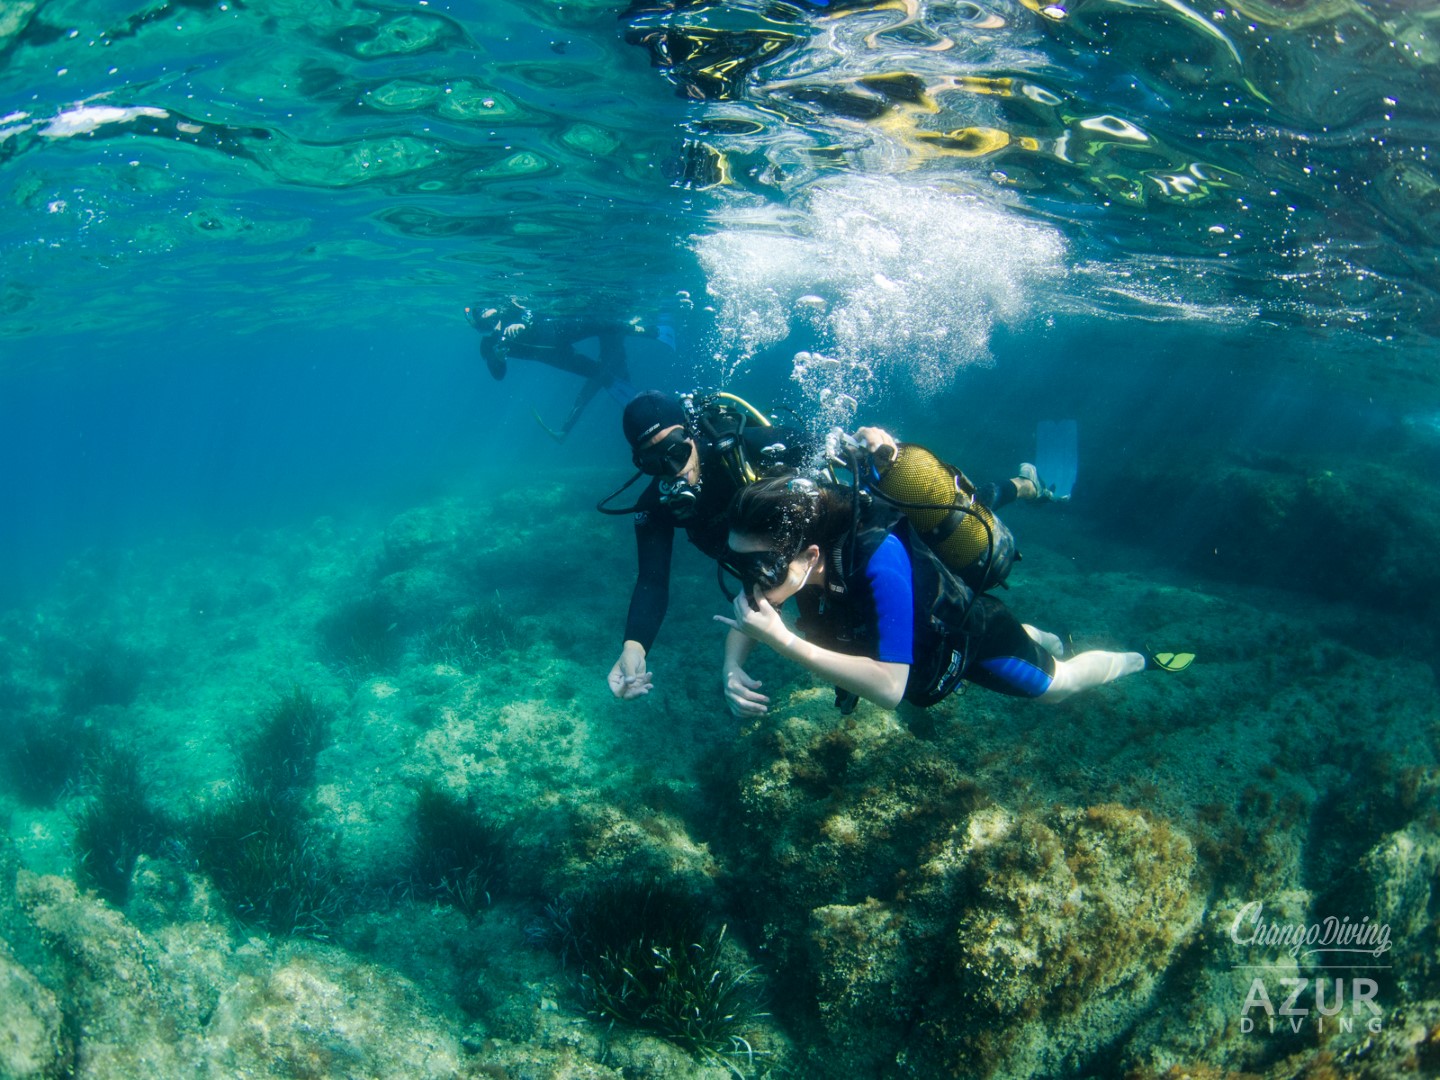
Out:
{"x": 905, "y": 278}
{"x": 835, "y": 387}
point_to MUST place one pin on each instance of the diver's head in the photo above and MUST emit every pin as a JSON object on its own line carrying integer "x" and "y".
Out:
{"x": 661, "y": 446}
{"x": 776, "y": 574}
{"x": 779, "y": 526}
{"x": 483, "y": 318}
{"x": 660, "y": 442}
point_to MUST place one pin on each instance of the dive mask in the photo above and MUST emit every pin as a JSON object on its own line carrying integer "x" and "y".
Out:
{"x": 665, "y": 458}
{"x": 766, "y": 569}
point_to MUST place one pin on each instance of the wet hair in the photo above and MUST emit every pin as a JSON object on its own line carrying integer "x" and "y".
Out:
{"x": 792, "y": 512}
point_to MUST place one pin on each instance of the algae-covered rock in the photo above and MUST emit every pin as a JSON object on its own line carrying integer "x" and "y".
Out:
{"x": 1069, "y": 919}
{"x": 183, "y": 1002}
{"x": 944, "y": 933}
{"x": 863, "y": 959}
{"x": 1398, "y": 881}
{"x": 1396, "y": 886}
{"x": 33, "y": 1045}
{"x": 134, "y": 1026}
{"x": 436, "y": 531}
{"x": 328, "y": 1015}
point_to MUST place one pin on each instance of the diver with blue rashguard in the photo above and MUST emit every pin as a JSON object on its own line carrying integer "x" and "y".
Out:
{"x": 700, "y": 453}
{"x": 882, "y": 616}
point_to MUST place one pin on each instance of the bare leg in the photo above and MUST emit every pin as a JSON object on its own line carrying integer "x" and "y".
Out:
{"x": 1090, "y": 669}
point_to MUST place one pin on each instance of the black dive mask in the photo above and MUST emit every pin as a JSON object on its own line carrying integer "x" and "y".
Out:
{"x": 679, "y": 497}
{"x": 665, "y": 458}
{"x": 764, "y": 568}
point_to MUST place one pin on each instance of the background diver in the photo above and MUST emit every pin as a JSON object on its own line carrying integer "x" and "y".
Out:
{"x": 700, "y": 453}
{"x": 512, "y": 331}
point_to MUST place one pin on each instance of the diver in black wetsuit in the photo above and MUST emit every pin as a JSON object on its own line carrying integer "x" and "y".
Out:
{"x": 513, "y": 331}
{"x": 700, "y": 454}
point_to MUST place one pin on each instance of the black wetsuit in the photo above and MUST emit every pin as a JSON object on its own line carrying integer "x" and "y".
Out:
{"x": 551, "y": 341}
{"x": 707, "y": 528}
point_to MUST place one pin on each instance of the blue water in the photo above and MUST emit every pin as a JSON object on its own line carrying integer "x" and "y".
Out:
{"x": 236, "y": 381}
{"x": 246, "y": 277}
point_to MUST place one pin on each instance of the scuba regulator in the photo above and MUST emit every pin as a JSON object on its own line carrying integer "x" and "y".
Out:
{"x": 717, "y": 427}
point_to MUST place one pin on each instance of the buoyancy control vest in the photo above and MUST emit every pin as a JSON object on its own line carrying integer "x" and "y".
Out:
{"x": 844, "y": 618}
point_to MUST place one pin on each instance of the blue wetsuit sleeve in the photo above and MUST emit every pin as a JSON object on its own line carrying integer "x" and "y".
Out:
{"x": 654, "y": 543}
{"x": 892, "y": 586}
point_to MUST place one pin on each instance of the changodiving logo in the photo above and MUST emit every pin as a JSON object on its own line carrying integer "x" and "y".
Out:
{"x": 1334, "y": 999}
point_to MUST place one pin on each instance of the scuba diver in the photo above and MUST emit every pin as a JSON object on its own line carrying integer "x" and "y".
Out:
{"x": 513, "y": 331}
{"x": 882, "y": 616}
{"x": 701, "y": 451}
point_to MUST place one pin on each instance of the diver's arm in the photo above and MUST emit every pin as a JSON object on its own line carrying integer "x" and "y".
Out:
{"x": 875, "y": 680}
{"x": 629, "y": 676}
{"x": 654, "y": 543}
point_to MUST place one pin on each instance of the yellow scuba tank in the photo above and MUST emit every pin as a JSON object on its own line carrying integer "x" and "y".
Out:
{"x": 940, "y": 503}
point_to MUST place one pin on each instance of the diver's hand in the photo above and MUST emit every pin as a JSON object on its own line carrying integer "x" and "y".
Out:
{"x": 512, "y": 330}
{"x": 758, "y": 620}
{"x": 742, "y": 693}
{"x": 880, "y": 443}
{"x": 628, "y": 678}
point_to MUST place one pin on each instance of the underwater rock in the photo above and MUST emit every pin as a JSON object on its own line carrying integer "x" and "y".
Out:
{"x": 943, "y": 931}
{"x": 328, "y": 1015}
{"x": 427, "y": 532}
{"x": 1399, "y": 876}
{"x": 1067, "y": 920}
{"x": 420, "y": 597}
{"x": 863, "y": 958}
{"x": 1256, "y": 519}
{"x": 1396, "y": 886}
{"x": 133, "y": 1025}
{"x": 33, "y": 1045}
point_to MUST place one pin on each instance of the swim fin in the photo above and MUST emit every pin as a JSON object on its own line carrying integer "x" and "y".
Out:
{"x": 621, "y": 391}
{"x": 1057, "y": 455}
{"x": 558, "y": 436}
{"x": 1169, "y": 661}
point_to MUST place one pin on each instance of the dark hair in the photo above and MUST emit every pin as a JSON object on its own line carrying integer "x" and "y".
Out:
{"x": 792, "y": 511}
